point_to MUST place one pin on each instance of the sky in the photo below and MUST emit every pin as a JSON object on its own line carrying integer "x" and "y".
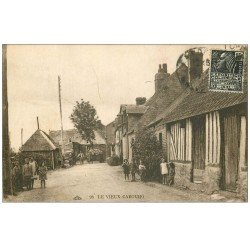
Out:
{"x": 104, "y": 75}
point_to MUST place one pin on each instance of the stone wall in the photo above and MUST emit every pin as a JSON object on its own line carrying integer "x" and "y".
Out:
{"x": 209, "y": 179}
{"x": 183, "y": 173}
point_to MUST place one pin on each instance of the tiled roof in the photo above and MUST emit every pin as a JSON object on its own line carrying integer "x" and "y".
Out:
{"x": 39, "y": 141}
{"x": 200, "y": 101}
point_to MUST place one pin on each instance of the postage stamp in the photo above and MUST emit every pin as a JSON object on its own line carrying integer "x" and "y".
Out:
{"x": 226, "y": 71}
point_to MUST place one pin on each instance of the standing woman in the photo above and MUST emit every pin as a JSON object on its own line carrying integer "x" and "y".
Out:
{"x": 164, "y": 171}
{"x": 42, "y": 170}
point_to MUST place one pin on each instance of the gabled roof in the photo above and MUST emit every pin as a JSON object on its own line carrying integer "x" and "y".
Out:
{"x": 72, "y": 135}
{"x": 200, "y": 101}
{"x": 133, "y": 108}
{"x": 39, "y": 141}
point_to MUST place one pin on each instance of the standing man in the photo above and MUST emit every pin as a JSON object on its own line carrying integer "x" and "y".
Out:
{"x": 27, "y": 174}
{"x": 33, "y": 165}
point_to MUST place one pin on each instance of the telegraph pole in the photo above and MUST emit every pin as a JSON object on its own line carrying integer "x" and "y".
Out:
{"x": 6, "y": 164}
{"x": 60, "y": 105}
{"x": 37, "y": 121}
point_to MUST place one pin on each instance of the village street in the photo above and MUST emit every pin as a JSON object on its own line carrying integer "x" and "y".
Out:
{"x": 100, "y": 182}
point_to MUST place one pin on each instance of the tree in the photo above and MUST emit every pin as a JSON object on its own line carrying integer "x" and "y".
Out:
{"x": 85, "y": 120}
{"x": 147, "y": 148}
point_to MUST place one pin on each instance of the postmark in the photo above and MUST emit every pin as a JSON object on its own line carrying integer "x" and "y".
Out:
{"x": 226, "y": 71}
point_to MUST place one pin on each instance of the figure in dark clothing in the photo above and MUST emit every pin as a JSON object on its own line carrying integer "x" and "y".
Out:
{"x": 17, "y": 177}
{"x": 42, "y": 170}
{"x": 27, "y": 174}
{"x": 171, "y": 173}
{"x": 125, "y": 167}
{"x": 133, "y": 169}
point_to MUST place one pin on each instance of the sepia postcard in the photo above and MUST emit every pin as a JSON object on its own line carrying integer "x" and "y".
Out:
{"x": 125, "y": 123}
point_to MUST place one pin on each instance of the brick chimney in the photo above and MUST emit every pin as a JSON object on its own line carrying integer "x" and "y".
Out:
{"x": 161, "y": 77}
{"x": 140, "y": 100}
{"x": 195, "y": 64}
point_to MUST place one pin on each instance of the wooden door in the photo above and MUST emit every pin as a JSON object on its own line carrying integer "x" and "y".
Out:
{"x": 199, "y": 140}
{"x": 231, "y": 149}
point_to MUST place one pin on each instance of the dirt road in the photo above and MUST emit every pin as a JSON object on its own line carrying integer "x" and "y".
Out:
{"x": 100, "y": 182}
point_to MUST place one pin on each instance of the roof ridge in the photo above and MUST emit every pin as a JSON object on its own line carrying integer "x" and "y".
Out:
{"x": 47, "y": 139}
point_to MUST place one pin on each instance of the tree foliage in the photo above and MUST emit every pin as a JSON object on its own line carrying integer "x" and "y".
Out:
{"x": 85, "y": 120}
{"x": 147, "y": 148}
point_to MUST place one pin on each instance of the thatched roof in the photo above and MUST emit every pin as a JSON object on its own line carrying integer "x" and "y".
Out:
{"x": 39, "y": 141}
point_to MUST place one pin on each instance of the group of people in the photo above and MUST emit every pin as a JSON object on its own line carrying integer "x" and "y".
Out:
{"x": 167, "y": 171}
{"x": 132, "y": 169}
{"x": 25, "y": 176}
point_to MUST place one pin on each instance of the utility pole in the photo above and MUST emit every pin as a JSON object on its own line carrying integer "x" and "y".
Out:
{"x": 37, "y": 120}
{"x": 6, "y": 164}
{"x": 60, "y": 105}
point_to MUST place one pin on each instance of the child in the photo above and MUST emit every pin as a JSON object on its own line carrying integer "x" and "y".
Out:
{"x": 125, "y": 166}
{"x": 133, "y": 169}
{"x": 164, "y": 171}
{"x": 171, "y": 173}
{"x": 142, "y": 170}
{"x": 42, "y": 170}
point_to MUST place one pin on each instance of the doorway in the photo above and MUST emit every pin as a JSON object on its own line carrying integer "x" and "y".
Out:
{"x": 230, "y": 149}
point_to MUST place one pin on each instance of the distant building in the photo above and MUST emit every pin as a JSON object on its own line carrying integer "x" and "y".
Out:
{"x": 74, "y": 143}
{"x": 110, "y": 138}
{"x": 42, "y": 147}
{"x": 126, "y": 119}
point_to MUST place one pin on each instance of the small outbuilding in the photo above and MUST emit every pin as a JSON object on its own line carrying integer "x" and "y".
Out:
{"x": 41, "y": 146}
